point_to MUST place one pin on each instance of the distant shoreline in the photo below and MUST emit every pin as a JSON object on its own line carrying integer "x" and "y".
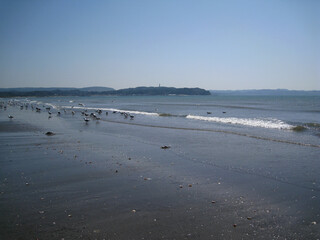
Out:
{"x": 138, "y": 91}
{"x": 147, "y": 91}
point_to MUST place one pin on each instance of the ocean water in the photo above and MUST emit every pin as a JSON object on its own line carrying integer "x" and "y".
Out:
{"x": 244, "y": 152}
{"x": 292, "y": 119}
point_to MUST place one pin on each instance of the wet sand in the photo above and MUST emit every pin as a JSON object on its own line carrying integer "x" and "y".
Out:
{"x": 114, "y": 181}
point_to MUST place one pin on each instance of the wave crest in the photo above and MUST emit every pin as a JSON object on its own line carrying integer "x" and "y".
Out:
{"x": 253, "y": 122}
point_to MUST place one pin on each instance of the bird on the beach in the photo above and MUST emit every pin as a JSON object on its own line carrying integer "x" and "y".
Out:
{"x": 73, "y": 112}
{"x": 131, "y": 117}
{"x": 86, "y": 120}
{"x": 9, "y": 116}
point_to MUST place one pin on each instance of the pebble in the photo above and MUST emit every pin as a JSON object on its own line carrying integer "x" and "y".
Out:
{"x": 165, "y": 147}
{"x": 49, "y": 133}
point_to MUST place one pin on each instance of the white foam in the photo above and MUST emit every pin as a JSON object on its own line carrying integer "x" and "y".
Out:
{"x": 112, "y": 110}
{"x": 253, "y": 122}
{"x": 51, "y": 105}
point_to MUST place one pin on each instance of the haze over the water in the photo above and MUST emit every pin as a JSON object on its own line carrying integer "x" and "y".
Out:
{"x": 210, "y": 44}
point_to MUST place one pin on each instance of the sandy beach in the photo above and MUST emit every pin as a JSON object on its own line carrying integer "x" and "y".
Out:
{"x": 108, "y": 180}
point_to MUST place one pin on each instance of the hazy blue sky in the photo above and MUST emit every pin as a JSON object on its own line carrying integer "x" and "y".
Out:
{"x": 211, "y": 44}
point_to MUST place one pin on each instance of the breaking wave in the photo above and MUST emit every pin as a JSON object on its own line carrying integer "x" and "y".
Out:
{"x": 253, "y": 122}
{"x": 114, "y": 110}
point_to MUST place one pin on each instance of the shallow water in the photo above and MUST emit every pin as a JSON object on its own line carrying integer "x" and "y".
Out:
{"x": 268, "y": 174}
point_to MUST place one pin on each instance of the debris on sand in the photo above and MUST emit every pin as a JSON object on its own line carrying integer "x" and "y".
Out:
{"x": 50, "y": 133}
{"x": 165, "y": 147}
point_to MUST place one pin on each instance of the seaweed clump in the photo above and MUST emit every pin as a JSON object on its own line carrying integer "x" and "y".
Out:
{"x": 299, "y": 128}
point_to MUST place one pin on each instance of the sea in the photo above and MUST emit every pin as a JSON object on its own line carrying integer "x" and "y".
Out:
{"x": 291, "y": 119}
{"x": 254, "y": 156}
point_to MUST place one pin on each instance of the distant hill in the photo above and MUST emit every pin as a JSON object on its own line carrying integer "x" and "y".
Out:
{"x": 266, "y": 92}
{"x": 146, "y": 91}
{"x": 159, "y": 91}
{"x": 41, "y": 89}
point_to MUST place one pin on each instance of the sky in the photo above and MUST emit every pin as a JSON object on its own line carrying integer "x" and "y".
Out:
{"x": 212, "y": 44}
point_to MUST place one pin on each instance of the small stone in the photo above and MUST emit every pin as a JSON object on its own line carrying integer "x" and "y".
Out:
{"x": 49, "y": 133}
{"x": 129, "y": 158}
{"x": 234, "y": 225}
{"x": 180, "y": 186}
{"x": 116, "y": 171}
{"x": 134, "y": 211}
{"x": 41, "y": 212}
{"x": 190, "y": 185}
{"x": 27, "y": 184}
{"x": 213, "y": 201}
{"x": 165, "y": 147}
{"x": 313, "y": 223}
{"x": 69, "y": 215}
{"x": 249, "y": 218}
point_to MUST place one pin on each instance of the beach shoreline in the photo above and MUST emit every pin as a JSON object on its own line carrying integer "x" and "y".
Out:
{"x": 114, "y": 181}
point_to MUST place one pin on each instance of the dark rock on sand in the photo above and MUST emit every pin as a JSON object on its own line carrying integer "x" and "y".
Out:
{"x": 50, "y": 133}
{"x": 165, "y": 147}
